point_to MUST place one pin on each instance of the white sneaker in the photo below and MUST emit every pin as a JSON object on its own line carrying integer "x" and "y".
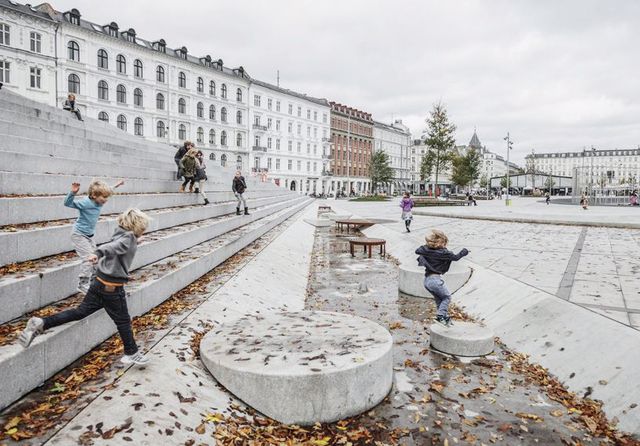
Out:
{"x": 136, "y": 358}
{"x": 34, "y": 327}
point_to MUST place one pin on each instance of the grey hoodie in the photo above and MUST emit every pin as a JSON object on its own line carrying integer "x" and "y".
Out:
{"x": 115, "y": 257}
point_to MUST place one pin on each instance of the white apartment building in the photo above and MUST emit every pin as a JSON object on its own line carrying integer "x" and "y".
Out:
{"x": 418, "y": 152}
{"x": 395, "y": 140}
{"x": 289, "y": 135}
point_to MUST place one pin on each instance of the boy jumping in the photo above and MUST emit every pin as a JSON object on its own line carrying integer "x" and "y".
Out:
{"x": 107, "y": 289}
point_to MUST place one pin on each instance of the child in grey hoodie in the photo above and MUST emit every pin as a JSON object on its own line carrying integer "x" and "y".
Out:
{"x": 107, "y": 288}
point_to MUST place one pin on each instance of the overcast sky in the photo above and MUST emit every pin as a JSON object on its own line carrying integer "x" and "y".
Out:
{"x": 558, "y": 75}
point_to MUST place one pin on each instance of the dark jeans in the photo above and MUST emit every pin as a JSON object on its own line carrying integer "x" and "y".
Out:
{"x": 76, "y": 112}
{"x": 188, "y": 180}
{"x": 178, "y": 173}
{"x": 114, "y": 303}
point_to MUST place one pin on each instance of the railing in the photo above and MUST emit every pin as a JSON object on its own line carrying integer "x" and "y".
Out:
{"x": 260, "y": 127}
{"x": 327, "y": 173}
{"x": 327, "y": 157}
{"x": 259, "y": 149}
{"x": 326, "y": 139}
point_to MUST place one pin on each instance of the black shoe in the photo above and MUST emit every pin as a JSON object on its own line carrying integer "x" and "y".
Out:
{"x": 196, "y": 190}
{"x": 246, "y": 211}
{"x": 441, "y": 320}
{"x": 408, "y": 230}
{"x": 206, "y": 201}
{"x": 1, "y": 84}
{"x": 238, "y": 211}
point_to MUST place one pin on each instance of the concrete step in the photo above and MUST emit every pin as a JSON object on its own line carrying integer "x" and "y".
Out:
{"x": 35, "y": 243}
{"x": 25, "y": 369}
{"x": 14, "y": 211}
{"x": 52, "y": 279}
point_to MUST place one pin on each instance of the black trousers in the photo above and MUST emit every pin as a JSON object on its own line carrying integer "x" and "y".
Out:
{"x": 114, "y": 303}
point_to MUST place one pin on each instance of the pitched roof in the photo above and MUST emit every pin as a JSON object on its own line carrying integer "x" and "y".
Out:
{"x": 290, "y": 92}
{"x": 475, "y": 141}
{"x": 25, "y": 9}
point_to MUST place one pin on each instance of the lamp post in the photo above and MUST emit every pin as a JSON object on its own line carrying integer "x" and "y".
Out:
{"x": 591, "y": 192}
{"x": 509, "y": 146}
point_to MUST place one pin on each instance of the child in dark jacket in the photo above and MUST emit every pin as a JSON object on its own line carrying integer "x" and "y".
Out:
{"x": 107, "y": 289}
{"x": 436, "y": 259}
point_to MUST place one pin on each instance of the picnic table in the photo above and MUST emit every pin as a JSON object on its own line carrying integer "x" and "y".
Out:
{"x": 355, "y": 224}
{"x": 368, "y": 243}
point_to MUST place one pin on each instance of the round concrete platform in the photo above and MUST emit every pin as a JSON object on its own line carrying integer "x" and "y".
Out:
{"x": 462, "y": 339}
{"x": 319, "y": 222}
{"x": 303, "y": 367}
{"x": 411, "y": 281}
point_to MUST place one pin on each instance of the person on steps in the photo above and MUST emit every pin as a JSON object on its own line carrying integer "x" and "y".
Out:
{"x": 84, "y": 228}
{"x": 584, "y": 202}
{"x": 182, "y": 151}
{"x": 407, "y": 205}
{"x": 70, "y": 105}
{"x": 188, "y": 165}
{"x": 107, "y": 288}
{"x": 436, "y": 259}
{"x": 201, "y": 176}
{"x": 238, "y": 187}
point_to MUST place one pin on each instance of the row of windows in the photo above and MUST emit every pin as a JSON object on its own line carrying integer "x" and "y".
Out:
{"x": 35, "y": 39}
{"x": 256, "y": 164}
{"x": 257, "y": 101}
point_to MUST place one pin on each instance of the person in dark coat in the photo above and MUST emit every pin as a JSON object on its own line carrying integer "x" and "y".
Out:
{"x": 238, "y": 187}
{"x": 182, "y": 151}
{"x": 188, "y": 164}
{"x": 70, "y": 105}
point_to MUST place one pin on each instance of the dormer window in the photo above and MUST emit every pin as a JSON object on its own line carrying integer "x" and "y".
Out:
{"x": 112, "y": 29}
{"x": 160, "y": 45}
{"x": 130, "y": 35}
{"x": 182, "y": 53}
{"x": 73, "y": 16}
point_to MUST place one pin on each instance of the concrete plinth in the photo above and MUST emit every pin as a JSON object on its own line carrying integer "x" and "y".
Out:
{"x": 319, "y": 222}
{"x": 411, "y": 281}
{"x": 303, "y": 367}
{"x": 335, "y": 216}
{"x": 462, "y": 339}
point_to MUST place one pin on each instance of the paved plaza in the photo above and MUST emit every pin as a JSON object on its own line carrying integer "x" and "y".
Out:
{"x": 597, "y": 267}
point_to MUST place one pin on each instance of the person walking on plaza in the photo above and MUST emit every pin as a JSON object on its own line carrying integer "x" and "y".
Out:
{"x": 584, "y": 202}
{"x": 471, "y": 200}
{"x": 633, "y": 198}
{"x": 70, "y": 105}
{"x": 201, "y": 176}
{"x": 188, "y": 165}
{"x": 182, "y": 151}
{"x": 407, "y": 205}
{"x": 113, "y": 261}
{"x": 238, "y": 187}
{"x": 436, "y": 259}
{"x": 84, "y": 228}
{"x": 547, "y": 198}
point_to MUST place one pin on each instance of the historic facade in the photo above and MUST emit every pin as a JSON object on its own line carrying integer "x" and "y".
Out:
{"x": 351, "y": 148}
{"x": 395, "y": 140}
{"x": 289, "y": 134}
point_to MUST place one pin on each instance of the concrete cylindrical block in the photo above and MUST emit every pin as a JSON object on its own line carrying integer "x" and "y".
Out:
{"x": 411, "y": 281}
{"x": 462, "y": 339}
{"x": 319, "y": 222}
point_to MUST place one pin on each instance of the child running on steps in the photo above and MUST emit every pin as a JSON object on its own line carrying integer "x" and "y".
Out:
{"x": 436, "y": 259}
{"x": 85, "y": 226}
{"x": 107, "y": 289}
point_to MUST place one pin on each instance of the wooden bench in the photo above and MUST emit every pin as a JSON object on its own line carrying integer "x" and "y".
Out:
{"x": 355, "y": 224}
{"x": 368, "y": 243}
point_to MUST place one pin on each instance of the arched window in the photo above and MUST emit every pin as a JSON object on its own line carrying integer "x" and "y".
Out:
{"x": 200, "y": 135}
{"x": 223, "y": 160}
{"x": 122, "y": 122}
{"x": 74, "y": 84}
{"x": 103, "y": 59}
{"x": 121, "y": 94}
{"x": 212, "y": 156}
{"x": 200, "y": 85}
{"x": 223, "y": 91}
{"x": 182, "y": 132}
{"x": 239, "y": 162}
{"x": 223, "y": 114}
{"x": 121, "y": 64}
{"x": 137, "y": 69}
{"x": 182, "y": 107}
{"x": 160, "y": 129}
{"x": 200, "y": 110}
{"x": 239, "y": 117}
{"x": 239, "y": 95}
{"x": 160, "y": 74}
{"x": 239, "y": 140}
{"x": 212, "y": 112}
{"x": 74, "y": 51}
{"x": 103, "y": 90}
{"x": 103, "y": 116}
{"x": 138, "y": 127}
{"x": 137, "y": 98}
{"x": 182, "y": 80}
{"x": 160, "y": 102}
{"x": 212, "y": 137}
{"x": 212, "y": 88}
{"x": 223, "y": 138}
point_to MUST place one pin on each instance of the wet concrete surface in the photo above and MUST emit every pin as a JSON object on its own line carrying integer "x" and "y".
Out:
{"x": 439, "y": 399}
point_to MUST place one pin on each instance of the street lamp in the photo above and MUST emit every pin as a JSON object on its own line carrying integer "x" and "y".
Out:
{"x": 509, "y": 147}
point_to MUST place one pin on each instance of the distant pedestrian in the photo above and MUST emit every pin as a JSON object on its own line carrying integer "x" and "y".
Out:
{"x": 113, "y": 261}
{"x": 436, "y": 259}
{"x": 182, "y": 151}
{"x": 584, "y": 202}
{"x": 407, "y": 205}
{"x": 70, "y": 105}
{"x": 471, "y": 200}
{"x": 238, "y": 186}
{"x": 633, "y": 198}
{"x": 201, "y": 176}
{"x": 547, "y": 198}
{"x": 188, "y": 164}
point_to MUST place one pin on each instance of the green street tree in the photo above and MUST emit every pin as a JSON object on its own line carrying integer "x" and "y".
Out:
{"x": 484, "y": 181}
{"x": 465, "y": 168}
{"x": 381, "y": 171}
{"x": 427, "y": 164}
{"x": 439, "y": 136}
{"x": 503, "y": 182}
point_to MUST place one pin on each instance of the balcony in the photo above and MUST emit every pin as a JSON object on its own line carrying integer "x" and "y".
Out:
{"x": 259, "y": 127}
{"x": 326, "y": 139}
{"x": 259, "y": 149}
{"x": 327, "y": 157}
{"x": 326, "y": 173}
{"x": 259, "y": 170}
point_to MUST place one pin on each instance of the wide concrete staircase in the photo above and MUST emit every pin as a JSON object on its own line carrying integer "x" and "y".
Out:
{"x": 42, "y": 151}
